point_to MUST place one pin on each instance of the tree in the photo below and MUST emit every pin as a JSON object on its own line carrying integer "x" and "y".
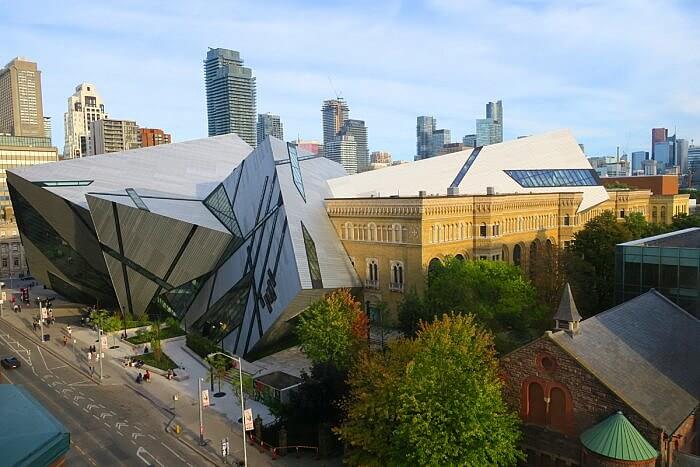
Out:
{"x": 637, "y": 224}
{"x": 333, "y": 329}
{"x": 495, "y": 292}
{"x": 685, "y": 221}
{"x": 433, "y": 400}
{"x": 595, "y": 244}
{"x": 412, "y": 310}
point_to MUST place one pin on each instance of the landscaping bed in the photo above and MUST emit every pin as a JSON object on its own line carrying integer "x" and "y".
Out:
{"x": 165, "y": 363}
{"x": 165, "y": 333}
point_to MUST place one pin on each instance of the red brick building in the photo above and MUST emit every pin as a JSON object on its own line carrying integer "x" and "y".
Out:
{"x": 640, "y": 358}
{"x": 153, "y": 137}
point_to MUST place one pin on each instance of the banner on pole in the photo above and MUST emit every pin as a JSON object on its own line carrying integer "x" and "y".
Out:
{"x": 248, "y": 419}
{"x": 103, "y": 342}
{"x": 205, "y": 398}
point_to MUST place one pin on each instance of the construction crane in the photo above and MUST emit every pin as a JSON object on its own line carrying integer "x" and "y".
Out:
{"x": 338, "y": 95}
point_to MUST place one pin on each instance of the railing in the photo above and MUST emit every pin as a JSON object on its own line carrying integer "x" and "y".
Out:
{"x": 371, "y": 284}
{"x": 396, "y": 286}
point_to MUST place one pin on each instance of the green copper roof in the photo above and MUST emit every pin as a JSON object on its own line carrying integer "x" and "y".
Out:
{"x": 616, "y": 438}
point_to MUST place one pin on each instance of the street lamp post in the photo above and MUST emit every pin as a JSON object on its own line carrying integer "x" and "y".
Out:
{"x": 2, "y": 284}
{"x": 124, "y": 319}
{"x": 41, "y": 319}
{"x": 240, "y": 380}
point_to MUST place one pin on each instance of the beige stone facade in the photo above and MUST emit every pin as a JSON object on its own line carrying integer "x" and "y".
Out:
{"x": 392, "y": 241}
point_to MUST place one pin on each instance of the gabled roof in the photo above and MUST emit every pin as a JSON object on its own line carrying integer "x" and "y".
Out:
{"x": 473, "y": 170}
{"x": 616, "y": 438}
{"x": 644, "y": 350}
{"x": 567, "y": 308}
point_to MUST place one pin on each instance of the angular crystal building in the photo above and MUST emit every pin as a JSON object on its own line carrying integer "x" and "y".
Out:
{"x": 224, "y": 237}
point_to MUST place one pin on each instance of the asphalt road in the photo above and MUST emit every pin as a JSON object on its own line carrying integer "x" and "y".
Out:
{"x": 109, "y": 425}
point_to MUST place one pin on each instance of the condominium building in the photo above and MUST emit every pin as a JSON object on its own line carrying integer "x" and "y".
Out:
{"x": 153, "y": 137}
{"x": 48, "y": 127}
{"x": 358, "y": 131}
{"x": 269, "y": 125}
{"x": 21, "y": 110}
{"x": 107, "y": 136}
{"x": 230, "y": 89}
{"x": 694, "y": 166}
{"x": 658, "y": 135}
{"x": 489, "y": 130}
{"x": 312, "y": 146}
{"x": 333, "y": 114}
{"x": 380, "y": 157}
{"x": 21, "y": 151}
{"x": 84, "y": 107}
{"x": 425, "y": 125}
{"x": 637, "y": 158}
{"x": 469, "y": 141}
{"x": 440, "y": 139}
{"x": 343, "y": 150}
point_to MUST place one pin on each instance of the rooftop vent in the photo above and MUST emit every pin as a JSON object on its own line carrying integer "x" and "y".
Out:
{"x": 422, "y": 194}
{"x": 490, "y": 191}
{"x": 452, "y": 191}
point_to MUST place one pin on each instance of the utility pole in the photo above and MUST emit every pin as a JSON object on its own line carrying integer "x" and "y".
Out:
{"x": 2, "y": 284}
{"x": 41, "y": 319}
{"x": 201, "y": 420}
{"x": 99, "y": 348}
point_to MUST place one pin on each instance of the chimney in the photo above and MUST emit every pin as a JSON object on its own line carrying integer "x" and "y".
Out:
{"x": 422, "y": 194}
{"x": 490, "y": 191}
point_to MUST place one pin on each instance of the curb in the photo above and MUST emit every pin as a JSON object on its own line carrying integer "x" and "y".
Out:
{"x": 53, "y": 352}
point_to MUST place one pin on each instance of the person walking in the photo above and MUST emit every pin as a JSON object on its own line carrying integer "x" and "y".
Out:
{"x": 70, "y": 331}
{"x": 65, "y": 340}
{"x": 89, "y": 357}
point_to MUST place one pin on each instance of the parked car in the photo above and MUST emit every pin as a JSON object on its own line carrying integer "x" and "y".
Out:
{"x": 10, "y": 362}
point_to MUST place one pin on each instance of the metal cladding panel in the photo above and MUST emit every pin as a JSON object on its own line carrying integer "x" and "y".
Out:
{"x": 115, "y": 272}
{"x": 142, "y": 290}
{"x": 201, "y": 255}
{"x": 190, "y": 168}
{"x": 150, "y": 240}
{"x": 103, "y": 219}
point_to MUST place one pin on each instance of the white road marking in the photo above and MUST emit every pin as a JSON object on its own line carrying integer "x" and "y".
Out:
{"x": 135, "y": 436}
{"x": 120, "y": 433}
{"x": 86, "y": 410}
{"x": 174, "y": 453}
{"x": 76, "y": 404}
{"x": 43, "y": 359}
{"x": 98, "y": 418}
{"x": 142, "y": 453}
{"x": 58, "y": 367}
{"x": 108, "y": 425}
{"x": 151, "y": 436}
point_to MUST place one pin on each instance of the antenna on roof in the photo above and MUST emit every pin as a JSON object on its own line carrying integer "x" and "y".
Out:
{"x": 337, "y": 94}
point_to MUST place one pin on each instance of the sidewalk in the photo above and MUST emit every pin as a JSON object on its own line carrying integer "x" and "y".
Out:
{"x": 220, "y": 419}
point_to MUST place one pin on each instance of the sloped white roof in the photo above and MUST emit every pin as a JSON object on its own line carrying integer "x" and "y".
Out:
{"x": 554, "y": 150}
{"x": 190, "y": 169}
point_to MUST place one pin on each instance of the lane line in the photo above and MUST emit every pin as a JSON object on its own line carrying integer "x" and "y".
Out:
{"x": 107, "y": 425}
{"x": 98, "y": 418}
{"x": 58, "y": 367}
{"x": 174, "y": 453}
{"x": 42, "y": 358}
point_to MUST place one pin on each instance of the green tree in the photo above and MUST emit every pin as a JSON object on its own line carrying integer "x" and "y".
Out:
{"x": 595, "y": 244}
{"x": 433, "y": 400}
{"x": 636, "y": 224}
{"x": 685, "y": 221}
{"x": 495, "y": 292}
{"x": 333, "y": 329}
{"x": 412, "y": 310}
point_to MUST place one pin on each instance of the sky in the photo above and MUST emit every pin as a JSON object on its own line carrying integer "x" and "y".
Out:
{"x": 608, "y": 70}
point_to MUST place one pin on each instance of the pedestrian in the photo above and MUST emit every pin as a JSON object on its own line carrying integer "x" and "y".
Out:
{"x": 145, "y": 349}
{"x": 15, "y": 308}
{"x": 70, "y": 331}
{"x": 89, "y": 357}
{"x": 65, "y": 340}
{"x": 19, "y": 308}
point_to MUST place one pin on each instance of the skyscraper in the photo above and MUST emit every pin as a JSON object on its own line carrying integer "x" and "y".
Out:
{"x": 658, "y": 135}
{"x": 84, "y": 106}
{"x": 425, "y": 125}
{"x": 269, "y": 125}
{"x": 230, "y": 89}
{"x": 440, "y": 138}
{"x": 469, "y": 141}
{"x": 489, "y": 130}
{"x": 21, "y": 110}
{"x": 380, "y": 157}
{"x": 108, "y": 135}
{"x": 682, "y": 154}
{"x": 358, "y": 131}
{"x": 342, "y": 149}
{"x": 694, "y": 166}
{"x": 638, "y": 157}
{"x": 333, "y": 113}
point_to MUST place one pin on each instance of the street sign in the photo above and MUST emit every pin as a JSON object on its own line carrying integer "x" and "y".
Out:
{"x": 205, "y": 398}
{"x": 224, "y": 447}
{"x": 248, "y": 419}
{"x": 103, "y": 342}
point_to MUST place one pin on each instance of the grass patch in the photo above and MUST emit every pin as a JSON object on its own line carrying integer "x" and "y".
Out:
{"x": 164, "y": 363}
{"x": 165, "y": 333}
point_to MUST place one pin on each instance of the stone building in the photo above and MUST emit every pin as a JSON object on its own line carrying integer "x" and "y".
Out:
{"x": 628, "y": 375}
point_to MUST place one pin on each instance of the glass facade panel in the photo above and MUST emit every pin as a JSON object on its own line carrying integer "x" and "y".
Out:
{"x": 465, "y": 168}
{"x": 312, "y": 257}
{"x": 554, "y": 177}
{"x": 218, "y": 203}
{"x": 136, "y": 199}
{"x": 296, "y": 169}
{"x": 227, "y": 313}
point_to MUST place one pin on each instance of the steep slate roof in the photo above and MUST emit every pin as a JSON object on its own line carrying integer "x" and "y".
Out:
{"x": 616, "y": 438}
{"x": 645, "y": 350}
{"x": 567, "y": 310}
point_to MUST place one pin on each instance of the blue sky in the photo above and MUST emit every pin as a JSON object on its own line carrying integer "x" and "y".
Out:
{"x": 608, "y": 70}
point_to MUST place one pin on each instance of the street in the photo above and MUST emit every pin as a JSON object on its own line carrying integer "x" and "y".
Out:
{"x": 109, "y": 425}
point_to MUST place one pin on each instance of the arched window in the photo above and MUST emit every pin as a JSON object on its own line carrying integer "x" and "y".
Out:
{"x": 654, "y": 216}
{"x": 517, "y": 255}
{"x": 483, "y": 230}
{"x": 663, "y": 214}
{"x": 434, "y": 265}
{"x": 567, "y": 219}
{"x": 496, "y": 229}
{"x": 397, "y": 279}
{"x": 459, "y": 257}
{"x": 557, "y": 410}
{"x": 372, "y": 273}
{"x": 536, "y": 408}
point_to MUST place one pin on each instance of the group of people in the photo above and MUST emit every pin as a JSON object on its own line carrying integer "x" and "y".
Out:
{"x": 17, "y": 308}
{"x": 143, "y": 377}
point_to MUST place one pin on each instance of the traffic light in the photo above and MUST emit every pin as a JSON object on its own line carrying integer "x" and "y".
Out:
{"x": 25, "y": 294}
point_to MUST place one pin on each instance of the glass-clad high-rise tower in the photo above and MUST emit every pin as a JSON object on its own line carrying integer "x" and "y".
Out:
{"x": 230, "y": 89}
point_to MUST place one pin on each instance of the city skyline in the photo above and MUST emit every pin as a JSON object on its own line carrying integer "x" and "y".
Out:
{"x": 599, "y": 89}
